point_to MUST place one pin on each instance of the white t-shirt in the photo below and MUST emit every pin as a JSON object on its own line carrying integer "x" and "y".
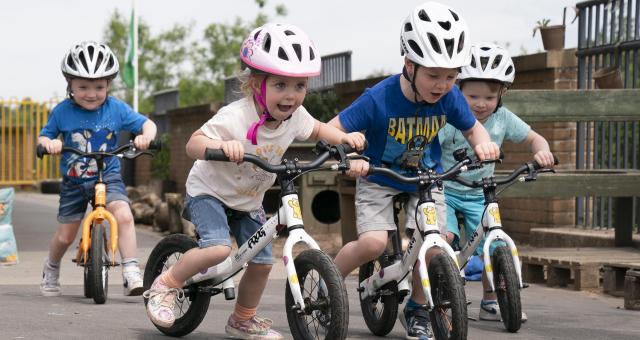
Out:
{"x": 242, "y": 187}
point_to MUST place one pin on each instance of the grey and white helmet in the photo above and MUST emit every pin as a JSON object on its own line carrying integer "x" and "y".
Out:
{"x": 90, "y": 60}
{"x": 489, "y": 62}
{"x": 435, "y": 35}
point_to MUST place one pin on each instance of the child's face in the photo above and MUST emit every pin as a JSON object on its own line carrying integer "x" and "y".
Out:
{"x": 434, "y": 82}
{"x": 285, "y": 95}
{"x": 89, "y": 93}
{"x": 481, "y": 98}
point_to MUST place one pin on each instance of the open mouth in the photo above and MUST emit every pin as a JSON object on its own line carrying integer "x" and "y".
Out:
{"x": 284, "y": 108}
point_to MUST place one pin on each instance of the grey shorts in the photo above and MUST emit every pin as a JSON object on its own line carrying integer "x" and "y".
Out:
{"x": 374, "y": 207}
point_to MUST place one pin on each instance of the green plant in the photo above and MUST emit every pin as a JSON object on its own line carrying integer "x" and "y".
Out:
{"x": 541, "y": 24}
{"x": 161, "y": 163}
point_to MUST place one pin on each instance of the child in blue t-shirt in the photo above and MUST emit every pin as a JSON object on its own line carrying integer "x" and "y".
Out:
{"x": 401, "y": 117}
{"x": 90, "y": 120}
{"x": 483, "y": 83}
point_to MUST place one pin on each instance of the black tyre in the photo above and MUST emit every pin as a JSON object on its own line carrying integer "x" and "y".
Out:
{"x": 379, "y": 311}
{"x": 191, "y": 310}
{"x": 326, "y": 314}
{"x": 507, "y": 287}
{"x": 449, "y": 315}
{"x": 99, "y": 265}
{"x": 88, "y": 282}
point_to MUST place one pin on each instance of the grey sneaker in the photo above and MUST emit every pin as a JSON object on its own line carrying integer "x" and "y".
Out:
{"x": 490, "y": 311}
{"x": 132, "y": 281}
{"x": 417, "y": 324}
{"x": 50, "y": 286}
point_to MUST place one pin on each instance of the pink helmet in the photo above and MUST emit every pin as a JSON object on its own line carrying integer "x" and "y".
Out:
{"x": 281, "y": 49}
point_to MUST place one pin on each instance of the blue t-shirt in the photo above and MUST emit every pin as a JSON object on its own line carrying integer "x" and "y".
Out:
{"x": 90, "y": 131}
{"x": 501, "y": 125}
{"x": 400, "y": 133}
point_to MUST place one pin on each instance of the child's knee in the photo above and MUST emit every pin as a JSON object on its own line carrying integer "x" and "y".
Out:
{"x": 65, "y": 239}
{"x": 261, "y": 268}
{"x": 372, "y": 246}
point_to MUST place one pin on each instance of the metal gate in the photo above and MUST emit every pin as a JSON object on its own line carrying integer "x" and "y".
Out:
{"x": 608, "y": 36}
{"x": 20, "y": 124}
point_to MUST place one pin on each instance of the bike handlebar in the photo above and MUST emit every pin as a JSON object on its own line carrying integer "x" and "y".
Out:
{"x": 338, "y": 152}
{"x": 529, "y": 167}
{"x": 154, "y": 145}
{"x": 429, "y": 177}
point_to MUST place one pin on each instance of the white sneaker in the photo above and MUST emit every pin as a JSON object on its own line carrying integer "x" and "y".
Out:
{"x": 50, "y": 286}
{"x": 132, "y": 281}
{"x": 490, "y": 311}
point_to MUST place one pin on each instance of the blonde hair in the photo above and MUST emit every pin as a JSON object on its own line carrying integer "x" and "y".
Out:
{"x": 247, "y": 78}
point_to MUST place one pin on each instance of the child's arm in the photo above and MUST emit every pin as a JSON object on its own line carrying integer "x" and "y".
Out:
{"x": 336, "y": 135}
{"x": 199, "y": 142}
{"x": 53, "y": 146}
{"x": 480, "y": 141}
{"x": 540, "y": 149}
{"x": 149, "y": 131}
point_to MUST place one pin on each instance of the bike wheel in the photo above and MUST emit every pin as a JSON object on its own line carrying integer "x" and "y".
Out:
{"x": 379, "y": 311}
{"x": 326, "y": 314}
{"x": 191, "y": 310}
{"x": 88, "y": 283}
{"x": 99, "y": 267}
{"x": 449, "y": 313}
{"x": 507, "y": 287}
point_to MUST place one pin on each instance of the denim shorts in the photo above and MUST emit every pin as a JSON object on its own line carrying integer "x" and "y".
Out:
{"x": 214, "y": 222}
{"x": 74, "y": 197}
{"x": 472, "y": 207}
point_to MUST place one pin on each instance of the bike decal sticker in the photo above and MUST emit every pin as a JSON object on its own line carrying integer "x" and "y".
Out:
{"x": 381, "y": 273}
{"x": 495, "y": 213}
{"x": 295, "y": 204}
{"x": 256, "y": 237}
{"x": 487, "y": 268}
{"x": 514, "y": 252}
{"x": 430, "y": 214}
{"x": 426, "y": 283}
{"x": 285, "y": 260}
{"x": 294, "y": 279}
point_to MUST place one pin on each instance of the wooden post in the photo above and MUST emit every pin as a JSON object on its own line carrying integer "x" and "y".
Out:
{"x": 623, "y": 221}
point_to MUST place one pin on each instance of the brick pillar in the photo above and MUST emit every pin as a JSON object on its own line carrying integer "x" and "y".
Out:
{"x": 547, "y": 70}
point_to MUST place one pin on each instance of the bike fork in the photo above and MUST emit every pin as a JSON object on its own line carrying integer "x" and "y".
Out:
{"x": 431, "y": 241}
{"x": 295, "y": 236}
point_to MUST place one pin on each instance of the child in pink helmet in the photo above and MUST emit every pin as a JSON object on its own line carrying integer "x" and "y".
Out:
{"x": 280, "y": 59}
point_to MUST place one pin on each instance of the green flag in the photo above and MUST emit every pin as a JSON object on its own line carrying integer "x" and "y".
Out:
{"x": 130, "y": 56}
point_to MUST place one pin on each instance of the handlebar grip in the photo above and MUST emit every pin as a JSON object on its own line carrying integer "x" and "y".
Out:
{"x": 348, "y": 149}
{"x": 538, "y": 167}
{"x": 41, "y": 151}
{"x": 215, "y": 155}
{"x": 155, "y": 144}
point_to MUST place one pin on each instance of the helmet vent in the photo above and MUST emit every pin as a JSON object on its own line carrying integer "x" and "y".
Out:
{"x": 446, "y": 25}
{"x": 90, "y": 49}
{"x": 483, "y": 62}
{"x": 454, "y": 15}
{"x": 461, "y": 42}
{"x": 255, "y": 36}
{"x": 110, "y": 62}
{"x": 423, "y": 15}
{"x": 298, "y": 49}
{"x": 288, "y": 32}
{"x": 473, "y": 61}
{"x": 496, "y": 61}
{"x": 83, "y": 61}
{"x": 282, "y": 54}
{"x": 311, "y": 54}
{"x": 98, "y": 62}
{"x": 416, "y": 48}
{"x": 267, "y": 43}
{"x": 485, "y": 48}
{"x": 408, "y": 27}
{"x": 434, "y": 43}
{"x": 448, "y": 43}
{"x": 508, "y": 71}
{"x": 71, "y": 64}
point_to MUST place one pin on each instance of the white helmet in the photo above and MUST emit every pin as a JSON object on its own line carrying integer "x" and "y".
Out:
{"x": 281, "y": 49}
{"x": 90, "y": 60}
{"x": 434, "y": 35}
{"x": 490, "y": 62}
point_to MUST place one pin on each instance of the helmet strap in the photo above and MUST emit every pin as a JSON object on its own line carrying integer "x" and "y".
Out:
{"x": 260, "y": 97}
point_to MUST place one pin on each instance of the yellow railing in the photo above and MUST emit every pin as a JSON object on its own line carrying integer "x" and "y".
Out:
{"x": 20, "y": 124}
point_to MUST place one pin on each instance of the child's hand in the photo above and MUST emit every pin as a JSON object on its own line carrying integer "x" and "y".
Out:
{"x": 53, "y": 146}
{"x": 487, "y": 151}
{"x": 142, "y": 142}
{"x": 355, "y": 140}
{"x": 358, "y": 168}
{"x": 234, "y": 150}
{"x": 544, "y": 158}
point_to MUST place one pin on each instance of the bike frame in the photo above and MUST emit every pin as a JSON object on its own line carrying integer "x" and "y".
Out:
{"x": 98, "y": 215}
{"x": 490, "y": 219}
{"x": 429, "y": 237}
{"x": 289, "y": 215}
